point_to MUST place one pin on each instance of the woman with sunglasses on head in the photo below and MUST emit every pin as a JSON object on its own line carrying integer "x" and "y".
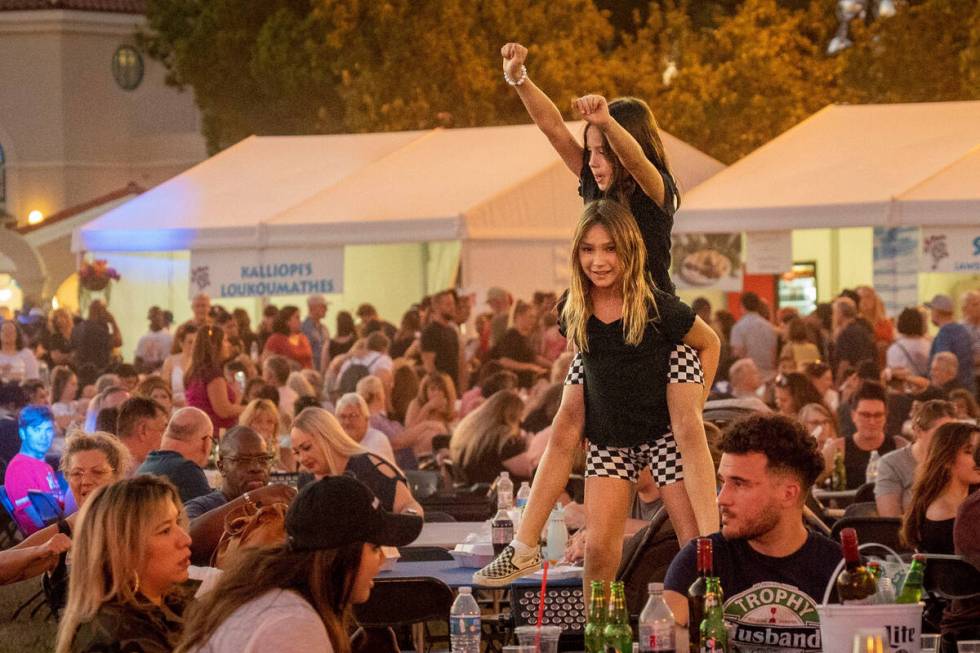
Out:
{"x": 298, "y": 597}
{"x": 622, "y": 159}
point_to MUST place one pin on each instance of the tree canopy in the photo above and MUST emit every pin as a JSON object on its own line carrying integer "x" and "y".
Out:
{"x": 746, "y": 70}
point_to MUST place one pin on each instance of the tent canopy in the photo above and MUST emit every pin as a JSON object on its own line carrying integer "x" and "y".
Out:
{"x": 850, "y": 166}
{"x": 479, "y": 183}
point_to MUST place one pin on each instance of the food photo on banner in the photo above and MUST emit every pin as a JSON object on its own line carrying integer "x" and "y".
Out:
{"x": 707, "y": 261}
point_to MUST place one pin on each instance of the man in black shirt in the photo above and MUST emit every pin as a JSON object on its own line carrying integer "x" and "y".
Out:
{"x": 514, "y": 351}
{"x": 855, "y": 341}
{"x": 773, "y": 570}
{"x": 440, "y": 342}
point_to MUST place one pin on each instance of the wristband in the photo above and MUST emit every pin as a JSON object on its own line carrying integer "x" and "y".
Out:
{"x": 520, "y": 80}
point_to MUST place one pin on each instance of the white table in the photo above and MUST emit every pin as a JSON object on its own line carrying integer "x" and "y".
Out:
{"x": 448, "y": 534}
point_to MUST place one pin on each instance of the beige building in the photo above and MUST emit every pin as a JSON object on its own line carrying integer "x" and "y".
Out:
{"x": 83, "y": 113}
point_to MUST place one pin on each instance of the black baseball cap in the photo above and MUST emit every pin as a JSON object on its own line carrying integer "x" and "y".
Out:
{"x": 340, "y": 510}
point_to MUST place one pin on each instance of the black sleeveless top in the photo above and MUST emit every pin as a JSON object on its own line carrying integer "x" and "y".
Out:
{"x": 937, "y": 536}
{"x": 369, "y": 469}
{"x": 856, "y": 460}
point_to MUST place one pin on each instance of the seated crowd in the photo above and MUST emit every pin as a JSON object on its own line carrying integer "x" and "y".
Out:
{"x": 152, "y": 466}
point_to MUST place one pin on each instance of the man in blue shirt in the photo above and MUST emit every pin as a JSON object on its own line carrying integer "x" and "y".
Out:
{"x": 952, "y": 337}
{"x": 314, "y": 329}
{"x": 183, "y": 452}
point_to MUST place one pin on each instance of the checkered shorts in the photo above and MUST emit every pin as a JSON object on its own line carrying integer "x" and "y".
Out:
{"x": 685, "y": 367}
{"x": 627, "y": 462}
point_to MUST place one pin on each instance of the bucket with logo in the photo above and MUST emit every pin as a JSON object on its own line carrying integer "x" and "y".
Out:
{"x": 838, "y": 623}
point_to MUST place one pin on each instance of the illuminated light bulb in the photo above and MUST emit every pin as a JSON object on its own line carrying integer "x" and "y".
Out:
{"x": 35, "y": 217}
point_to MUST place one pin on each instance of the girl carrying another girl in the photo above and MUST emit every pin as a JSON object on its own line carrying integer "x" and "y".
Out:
{"x": 623, "y": 159}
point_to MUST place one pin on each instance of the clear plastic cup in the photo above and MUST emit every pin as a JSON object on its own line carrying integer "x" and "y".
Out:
{"x": 528, "y": 635}
{"x": 929, "y": 644}
{"x": 971, "y": 646}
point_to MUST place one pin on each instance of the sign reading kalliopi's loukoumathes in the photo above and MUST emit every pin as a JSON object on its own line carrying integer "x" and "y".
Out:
{"x": 266, "y": 273}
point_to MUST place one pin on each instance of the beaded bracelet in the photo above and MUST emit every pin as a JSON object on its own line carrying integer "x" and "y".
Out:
{"x": 520, "y": 80}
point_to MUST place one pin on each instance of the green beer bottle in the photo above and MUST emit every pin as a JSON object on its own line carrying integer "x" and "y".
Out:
{"x": 618, "y": 633}
{"x": 912, "y": 584}
{"x": 595, "y": 636}
{"x": 714, "y": 635}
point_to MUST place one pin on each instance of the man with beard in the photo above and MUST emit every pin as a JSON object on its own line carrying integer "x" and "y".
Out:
{"x": 440, "y": 342}
{"x": 773, "y": 570}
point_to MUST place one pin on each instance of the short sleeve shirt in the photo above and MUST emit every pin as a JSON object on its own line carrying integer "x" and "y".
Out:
{"x": 626, "y": 385}
{"x": 489, "y": 466}
{"x": 516, "y": 347}
{"x": 771, "y": 603}
{"x": 896, "y": 474}
{"x": 444, "y": 342}
{"x": 756, "y": 335}
{"x": 955, "y": 338}
{"x": 187, "y": 477}
{"x": 206, "y": 503}
{"x": 655, "y": 222}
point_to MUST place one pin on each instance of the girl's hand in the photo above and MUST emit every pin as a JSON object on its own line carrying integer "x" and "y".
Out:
{"x": 594, "y": 109}
{"x": 514, "y": 55}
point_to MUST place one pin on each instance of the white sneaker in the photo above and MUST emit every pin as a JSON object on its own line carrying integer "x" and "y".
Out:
{"x": 504, "y": 570}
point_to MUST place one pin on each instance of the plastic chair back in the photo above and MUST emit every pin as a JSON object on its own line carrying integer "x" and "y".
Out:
{"x": 881, "y": 530}
{"x": 863, "y": 509}
{"x": 423, "y": 554}
{"x": 8, "y": 507}
{"x": 951, "y": 577}
{"x": 647, "y": 556}
{"x": 865, "y": 493}
{"x": 405, "y": 601}
{"x": 46, "y": 506}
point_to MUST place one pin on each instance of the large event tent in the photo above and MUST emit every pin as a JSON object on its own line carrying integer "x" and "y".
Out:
{"x": 850, "y": 166}
{"x": 413, "y": 210}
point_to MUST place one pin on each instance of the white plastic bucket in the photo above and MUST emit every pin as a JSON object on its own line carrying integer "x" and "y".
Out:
{"x": 838, "y": 623}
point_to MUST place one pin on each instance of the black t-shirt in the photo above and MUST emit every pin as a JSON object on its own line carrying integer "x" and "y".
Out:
{"x": 625, "y": 385}
{"x": 856, "y": 460}
{"x": 491, "y": 463}
{"x": 854, "y": 344}
{"x": 770, "y": 603}
{"x": 655, "y": 222}
{"x": 516, "y": 347}
{"x": 92, "y": 343}
{"x": 444, "y": 342}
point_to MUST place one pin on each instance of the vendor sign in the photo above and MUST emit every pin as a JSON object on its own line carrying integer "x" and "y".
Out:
{"x": 950, "y": 249}
{"x": 224, "y": 273}
{"x": 769, "y": 252}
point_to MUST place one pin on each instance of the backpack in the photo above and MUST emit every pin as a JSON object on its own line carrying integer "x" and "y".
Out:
{"x": 354, "y": 373}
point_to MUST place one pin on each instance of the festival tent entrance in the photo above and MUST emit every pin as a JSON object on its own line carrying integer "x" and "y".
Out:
{"x": 411, "y": 212}
{"x": 840, "y": 173}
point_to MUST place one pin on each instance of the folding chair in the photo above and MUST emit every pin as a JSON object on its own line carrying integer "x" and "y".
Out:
{"x": 863, "y": 509}
{"x": 951, "y": 577}
{"x": 401, "y": 602}
{"x": 646, "y": 557}
{"x": 46, "y": 506}
{"x": 423, "y": 554}
{"x": 865, "y": 493}
{"x": 8, "y": 507}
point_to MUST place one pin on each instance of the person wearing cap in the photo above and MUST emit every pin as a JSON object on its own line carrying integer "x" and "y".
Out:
{"x": 952, "y": 337}
{"x": 297, "y": 597}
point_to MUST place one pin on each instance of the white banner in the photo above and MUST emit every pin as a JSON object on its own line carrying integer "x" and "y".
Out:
{"x": 224, "y": 273}
{"x": 950, "y": 249}
{"x": 769, "y": 252}
{"x": 896, "y": 267}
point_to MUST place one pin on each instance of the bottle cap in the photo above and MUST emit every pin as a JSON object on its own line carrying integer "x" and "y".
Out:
{"x": 655, "y": 588}
{"x": 504, "y": 474}
{"x": 465, "y": 590}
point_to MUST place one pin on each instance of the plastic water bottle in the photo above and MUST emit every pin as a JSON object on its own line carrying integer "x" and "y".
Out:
{"x": 464, "y": 623}
{"x": 871, "y": 474}
{"x": 505, "y": 491}
{"x": 523, "y": 495}
{"x": 254, "y": 351}
{"x": 557, "y": 534}
{"x": 657, "y": 623}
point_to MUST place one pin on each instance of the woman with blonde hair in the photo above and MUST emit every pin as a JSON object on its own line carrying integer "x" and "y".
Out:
{"x": 57, "y": 341}
{"x": 942, "y": 483}
{"x": 819, "y": 422}
{"x": 872, "y": 308}
{"x": 157, "y": 389}
{"x": 90, "y": 461}
{"x": 436, "y": 401}
{"x": 489, "y": 440}
{"x": 643, "y": 388}
{"x": 323, "y": 448}
{"x": 130, "y": 554}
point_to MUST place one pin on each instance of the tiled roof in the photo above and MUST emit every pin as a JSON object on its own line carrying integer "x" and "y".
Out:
{"x": 130, "y": 189}
{"x": 113, "y": 6}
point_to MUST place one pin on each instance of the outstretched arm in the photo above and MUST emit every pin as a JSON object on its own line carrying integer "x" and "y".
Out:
{"x": 595, "y": 111}
{"x": 542, "y": 110}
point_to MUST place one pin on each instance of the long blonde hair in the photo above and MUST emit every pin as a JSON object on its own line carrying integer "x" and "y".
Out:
{"x": 328, "y": 437}
{"x": 487, "y": 428}
{"x": 636, "y": 285}
{"x": 109, "y": 544}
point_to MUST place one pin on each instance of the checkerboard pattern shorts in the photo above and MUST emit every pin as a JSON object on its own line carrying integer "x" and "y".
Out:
{"x": 627, "y": 462}
{"x": 660, "y": 455}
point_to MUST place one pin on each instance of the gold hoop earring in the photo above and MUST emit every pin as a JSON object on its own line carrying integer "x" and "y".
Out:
{"x": 136, "y": 585}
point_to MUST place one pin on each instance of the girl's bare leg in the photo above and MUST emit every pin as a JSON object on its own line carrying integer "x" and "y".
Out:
{"x": 699, "y": 485}
{"x": 607, "y": 503}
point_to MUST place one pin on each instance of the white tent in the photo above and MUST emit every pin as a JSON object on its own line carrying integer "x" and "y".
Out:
{"x": 412, "y": 209}
{"x": 850, "y": 166}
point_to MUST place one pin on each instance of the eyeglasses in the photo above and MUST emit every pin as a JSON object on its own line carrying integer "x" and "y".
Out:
{"x": 97, "y": 474}
{"x": 247, "y": 461}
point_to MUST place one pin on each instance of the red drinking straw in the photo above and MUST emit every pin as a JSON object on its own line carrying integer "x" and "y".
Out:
{"x": 544, "y": 588}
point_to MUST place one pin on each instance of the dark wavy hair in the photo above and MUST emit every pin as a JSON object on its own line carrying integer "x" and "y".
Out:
{"x": 281, "y": 323}
{"x": 783, "y": 441}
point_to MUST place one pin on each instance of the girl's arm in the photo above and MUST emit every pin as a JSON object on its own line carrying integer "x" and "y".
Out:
{"x": 217, "y": 391}
{"x": 595, "y": 111}
{"x": 704, "y": 339}
{"x": 542, "y": 110}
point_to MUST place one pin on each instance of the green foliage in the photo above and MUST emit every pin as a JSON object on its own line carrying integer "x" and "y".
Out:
{"x": 747, "y": 70}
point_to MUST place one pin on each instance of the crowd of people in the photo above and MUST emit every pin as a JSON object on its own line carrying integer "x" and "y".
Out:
{"x": 269, "y": 463}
